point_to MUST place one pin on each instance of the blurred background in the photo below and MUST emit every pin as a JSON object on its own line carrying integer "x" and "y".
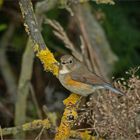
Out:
{"x": 111, "y": 35}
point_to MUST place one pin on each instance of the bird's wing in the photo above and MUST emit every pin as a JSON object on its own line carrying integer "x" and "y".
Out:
{"x": 87, "y": 77}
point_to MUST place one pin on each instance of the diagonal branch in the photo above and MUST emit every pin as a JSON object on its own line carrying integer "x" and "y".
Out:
{"x": 31, "y": 24}
{"x": 35, "y": 39}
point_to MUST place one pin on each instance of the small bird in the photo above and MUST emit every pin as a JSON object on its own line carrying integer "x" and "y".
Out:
{"x": 75, "y": 77}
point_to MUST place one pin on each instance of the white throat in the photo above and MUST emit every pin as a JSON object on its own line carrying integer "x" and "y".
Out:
{"x": 64, "y": 70}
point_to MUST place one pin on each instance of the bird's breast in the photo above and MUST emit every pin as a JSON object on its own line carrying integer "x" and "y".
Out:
{"x": 75, "y": 86}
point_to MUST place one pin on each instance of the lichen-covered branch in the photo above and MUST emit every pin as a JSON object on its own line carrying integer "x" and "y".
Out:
{"x": 32, "y": 28}
{"x": 36, "y": 40}
{"x": 31, "y": 24}
{"x": 65, "y": 3}
{"x": 68, "y": 118}
{"x": 48, "y": 61}
{"x": 104, "y": 1}
{"x": 36, "y": 124}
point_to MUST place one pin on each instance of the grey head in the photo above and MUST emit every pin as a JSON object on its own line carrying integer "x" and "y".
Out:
{"x": 67, "y": 64}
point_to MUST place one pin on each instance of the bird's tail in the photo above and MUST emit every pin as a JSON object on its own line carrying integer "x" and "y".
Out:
{"x": 114, "y": 89}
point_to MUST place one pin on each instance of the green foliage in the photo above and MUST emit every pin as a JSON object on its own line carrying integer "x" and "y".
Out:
{"x": 3, "y": 27}
{"x": 123, "y": 32}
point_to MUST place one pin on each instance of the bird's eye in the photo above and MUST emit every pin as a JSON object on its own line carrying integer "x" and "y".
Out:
{"x": 70, "y": 61}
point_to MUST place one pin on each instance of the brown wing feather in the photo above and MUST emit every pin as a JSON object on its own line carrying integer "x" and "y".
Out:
{"x": 84, "y": 76}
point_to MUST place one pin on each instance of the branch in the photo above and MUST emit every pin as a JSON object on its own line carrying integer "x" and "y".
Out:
{"x": 105, "y": 2}
{"x": 23, "y": 84}
{"x": 30, "y": 23}
{"x": 68, "y": 118}
{"x": 35, "y": 39}
{"x": 68, "y": 3}
{"x": 6, "y": 70}
{"x": 32, "y": 28}
{"x": 61, "y": 34}
{"x": 36, "y": 124}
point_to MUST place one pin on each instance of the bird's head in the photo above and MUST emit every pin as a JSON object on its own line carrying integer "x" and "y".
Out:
{"x": 67, "y": 64}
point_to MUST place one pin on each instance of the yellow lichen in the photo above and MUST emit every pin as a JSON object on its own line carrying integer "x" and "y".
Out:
{"x": 48, "y": 61}
{"x": 85, "y": 136}
{"x": 26, "y": 28}
{"x": 62, "y": 132}
{"x": 105, "y": 2}
{"x": 69, "y": 116}
{"x": 46, "y": 123}
{"x": 36, "y": 123}
{"x": 72, "y": 99}
{"x": 36, "y": 47}
{"x": 67, "y": 122}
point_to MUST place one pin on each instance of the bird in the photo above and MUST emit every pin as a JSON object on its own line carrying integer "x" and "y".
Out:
{"x": 76, "y": 77}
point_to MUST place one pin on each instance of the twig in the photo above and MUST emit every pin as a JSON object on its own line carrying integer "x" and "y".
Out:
{"x": 48, "y": 114}
{"x": 39, "y": 135}
{"x": 6, "y": 69}
{"x": 61, "y": 34}
{"x": 100, "y": 54}
{"x": 23, "y": 85}
{"x": 65, "y": 3}
{"x": 43, "y": 6}
{"x": 30, "y": 23}
{"x": 35, "y": 101}
{"x": 4, "y": 110}
{"x": 105, "y": 2}
{"x": 36, "y": 124}
{"x": 68, "y": 118}
{"x": 1, "y": 135}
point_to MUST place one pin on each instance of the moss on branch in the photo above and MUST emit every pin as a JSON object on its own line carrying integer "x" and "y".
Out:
{"x": 36, "y": 124}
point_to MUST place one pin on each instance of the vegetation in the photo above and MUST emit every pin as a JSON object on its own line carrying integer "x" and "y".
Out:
{"x": 104, "y": 36}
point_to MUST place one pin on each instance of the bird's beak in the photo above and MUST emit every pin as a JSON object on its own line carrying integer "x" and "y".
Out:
{"x": 57, "y": 64}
